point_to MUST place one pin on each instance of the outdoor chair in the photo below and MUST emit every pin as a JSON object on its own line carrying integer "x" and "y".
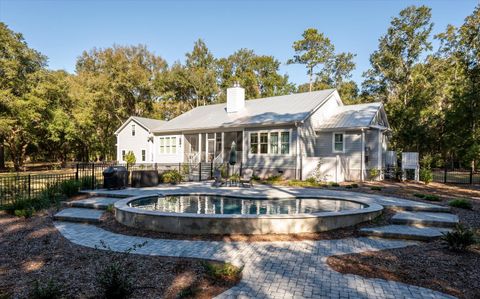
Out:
{"x": 247, "y": 180}
{"x": 219, "y": 180}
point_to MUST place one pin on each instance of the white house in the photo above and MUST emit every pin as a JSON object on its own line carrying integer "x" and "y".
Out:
{"x": 297, "y": 135}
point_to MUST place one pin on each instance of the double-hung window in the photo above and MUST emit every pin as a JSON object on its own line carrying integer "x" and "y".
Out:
{"x": 285, "y": 150}
{"x": 123, "y": 155}
{"x": 173, "y": 145}
{"x": 274, "y": 143}
{"x": 133, "y": 130}
{"x": 338, "y": 143}
{"x": 168, "y": 145}
{"x": 254, "y": 143}
{"x": 144, "y": 155}
{"x": 162, "y": 145}
{"x": 263, "y": 143}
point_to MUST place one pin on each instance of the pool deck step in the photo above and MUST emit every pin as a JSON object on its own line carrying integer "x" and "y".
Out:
{"x": 97, "y": 202}
{"x": 79, "y": 215}
{"x": 420, "y": 208}
{"x": 425, "y": 219}
{"x": 405, "y": 232}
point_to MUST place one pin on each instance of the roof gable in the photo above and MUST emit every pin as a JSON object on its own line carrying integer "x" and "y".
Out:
{"x": 353, "y": 116}
{"x": 148, "y": 124}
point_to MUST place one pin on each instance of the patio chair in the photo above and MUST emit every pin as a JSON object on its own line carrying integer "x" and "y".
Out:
{"x": 219, "y": 180}
{"x": 247, "y": 180}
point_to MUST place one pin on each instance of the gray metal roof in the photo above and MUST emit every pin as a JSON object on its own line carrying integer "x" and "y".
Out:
{"x": 149, "y": 123}
{"x": 261, "y": 112}
{"x": 351, "y": 116}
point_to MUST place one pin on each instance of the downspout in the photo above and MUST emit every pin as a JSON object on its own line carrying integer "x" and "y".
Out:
{"x": 362, "y": 164}
{"x": 298, "y": 149}
{"x": 380, "y": 154}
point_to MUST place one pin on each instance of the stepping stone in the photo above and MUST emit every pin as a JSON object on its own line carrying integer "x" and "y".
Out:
{"x": 101, "y": 203}
{"x": 405, "y": 232}
{"x": 425, "y": 219}
{"x": 79, "y": 215}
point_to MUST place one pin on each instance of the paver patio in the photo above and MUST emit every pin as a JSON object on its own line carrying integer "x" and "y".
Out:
{"x": 271, "y": 269}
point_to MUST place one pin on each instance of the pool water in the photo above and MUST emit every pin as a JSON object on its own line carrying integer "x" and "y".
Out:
{"x": 214, "y": 204}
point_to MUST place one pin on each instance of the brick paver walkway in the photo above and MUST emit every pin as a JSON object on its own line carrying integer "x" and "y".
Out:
{"x": 271, "y": 269}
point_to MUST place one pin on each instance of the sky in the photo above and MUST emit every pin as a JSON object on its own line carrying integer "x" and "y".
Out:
{"x": 62, "y": 30}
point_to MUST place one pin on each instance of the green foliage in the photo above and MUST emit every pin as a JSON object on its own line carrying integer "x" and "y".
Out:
{"x": 431, "y": 197}
{"x": 419, "y": 195}
{"x": 273, "y": 179}
{"x": 69, "y": 188}
{"x": 48, "y": 290}
{"x": 461, "y": 203}
{"x": 426, "y": 175}
{"x": 376, "y": 188}
{"x": 86, "y": 182}
{"x": 354, "y": 185}
{"x": 311, "y": 180}
{"x": 110, "y": 208}
{"x": 235, "y": 177}
{"x": 373, "y": 173}
{"x": 460, "y": 238}
{"x": 115, "y": 281}
{"x": 26, "y": 213}
{"x": 171, "y": 177}
{"x": 333, "y": 184}
{"x": 222, "y": 271}
{"x": 130, "y": 159}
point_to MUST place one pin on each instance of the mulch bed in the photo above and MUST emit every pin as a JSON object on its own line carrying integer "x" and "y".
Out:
{"x": 33, "y": 250}
{"x": 109, "y": 223}
{"x": 430, "y": 265}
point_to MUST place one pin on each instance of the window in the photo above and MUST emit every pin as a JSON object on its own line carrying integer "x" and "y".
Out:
{"x": 338, "y": 144}
{"x": 162, "y": 145}
{"x": 133, "y": 130}
{"x": 173, "y": 145}
{"x": 168, "y": 145}
{"x": 143, "y": 155}
{"x": 274, "y": 143}
{"x": 263, "y": 143}
{"x": 254, "y": 143}
{"x": 123, "y": 155}
{"x": 285, "y": 150}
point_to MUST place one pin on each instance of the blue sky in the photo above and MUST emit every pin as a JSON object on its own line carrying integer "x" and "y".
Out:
{"x": 63, "y": 29}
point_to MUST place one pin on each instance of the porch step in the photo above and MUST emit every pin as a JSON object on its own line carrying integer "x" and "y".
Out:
{"x": 405, "y": 232}
{"x": 425, "y": 219}
{"x": 97, "y": 202}
{"x": 79, "y": 215}
{"x": 419, "y": 208}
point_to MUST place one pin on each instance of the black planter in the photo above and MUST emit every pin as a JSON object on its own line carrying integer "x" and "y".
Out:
{"x": 144, "y": 178}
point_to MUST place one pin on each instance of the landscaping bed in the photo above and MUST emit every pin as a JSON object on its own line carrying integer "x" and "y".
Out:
{"x": 33, "y": 250}
{"x": 430, "y": 265}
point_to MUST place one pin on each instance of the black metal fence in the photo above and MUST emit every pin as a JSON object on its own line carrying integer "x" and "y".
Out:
{"x": 17, "y": 185}
{"x": 456, "y": 176}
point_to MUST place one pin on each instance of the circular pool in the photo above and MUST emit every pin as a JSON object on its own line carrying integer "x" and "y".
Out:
{"x": 220, "y": 214}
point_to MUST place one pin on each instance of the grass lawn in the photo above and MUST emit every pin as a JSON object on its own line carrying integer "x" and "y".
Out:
{"x": 33, "y": 250}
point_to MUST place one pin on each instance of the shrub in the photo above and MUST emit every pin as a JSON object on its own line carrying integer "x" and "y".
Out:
{"x": 69, "y": 188}
{"x": 110, "y": 208}
{"x": 274, "y": 179}
{"x": 311, "y": 180}
{"x": 130, "y": 159}
{"x": 419, "y": 195}
{"x": 255, "y": 177}
{"x": 373, "y": 173}
{"x": 26, "y": 213}
{"x": 171, "y": 177}
{"x": 354, "y": 185}
{"x": 461, "y": 203}
{"x": 114, "y": 281}
{"x": 348, "y": 186}
{"x": 460, "y": 238}
{"x": 49, "y": 290}
{"x": 222, "y": 271}
{"x": 235, "y": 178}
{"x": 333, "y": 184}
{"x": 376, "y": 188}
{"x": 426, "y": 175}
{"x": 431, "y": 197}
{"x": 86, "y": 182}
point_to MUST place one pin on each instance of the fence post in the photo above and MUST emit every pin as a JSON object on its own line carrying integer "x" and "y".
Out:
{"x": 471, "y": 175}
{"x": 76, "y": 173}
{"x": 445, "y": 175}
{"x": 211, "y": 169}
{"x": 29, "y": 186}
{"x": 93, "y": 176}
{"x": 200, "y": 171}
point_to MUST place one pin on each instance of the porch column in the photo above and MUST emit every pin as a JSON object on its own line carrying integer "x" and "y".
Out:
{"x": 380, "y": 152}
{"x": 244, "y": 147}
{"x": 223, "y": 146}
{"x": 362, "y": 156}
{"x": 200, "y": 147}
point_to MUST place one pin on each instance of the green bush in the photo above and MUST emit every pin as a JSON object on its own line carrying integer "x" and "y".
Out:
{"x": 376, "y": 188}
{"x": 130, "y": 159}
{"x": 115, "y": 282}
{"x": 426, "y": 175}
{"x": 373, "y": 173}
{"x": 354, "y": 185}
{"x": 460, "y": 238}
{"x": 86, "y": 182}
{"x": 333, "y": 184}
{"x": 461, "y": 203}
{"x": 348, "y": 186}
{"x": 69, "y": 188}
{"x": 26, "y": 213}
{"x": 171, "y": 177}
{"x": 311, "y": 180}
{"x": 273, "y": 179}
{"x": 222, "y": 271}
{"x": 419, "y": 195}
{"x": 431, "y": 197}
{"x": 49, "y": 290}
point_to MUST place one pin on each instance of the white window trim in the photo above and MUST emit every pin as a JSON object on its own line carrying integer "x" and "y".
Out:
{"x": 343, "y": 142}
{"x": 167, "y": 145}
{"x": 133, "y": 130}
{"x": 269, "y": 154}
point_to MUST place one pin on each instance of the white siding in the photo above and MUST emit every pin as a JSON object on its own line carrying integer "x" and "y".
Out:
{"x": 126, "y": 142}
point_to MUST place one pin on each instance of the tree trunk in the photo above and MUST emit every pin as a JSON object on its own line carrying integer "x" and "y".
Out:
{"x": 310, "y": 80}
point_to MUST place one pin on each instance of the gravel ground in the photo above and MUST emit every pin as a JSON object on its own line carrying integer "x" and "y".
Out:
{"x": 429, "y": 265}
{"x": 32, "y": 249}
